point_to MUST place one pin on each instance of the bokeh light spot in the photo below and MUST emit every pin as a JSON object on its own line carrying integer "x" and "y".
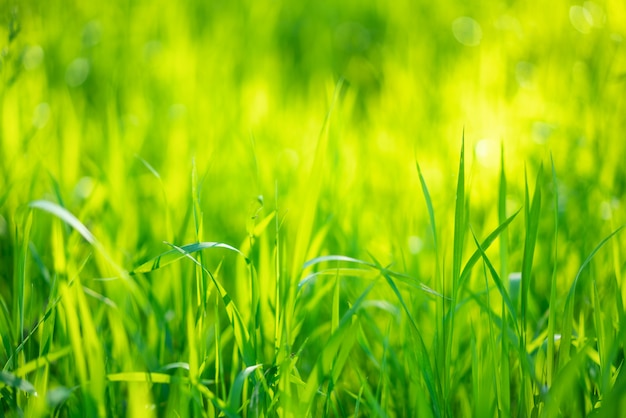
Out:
{"x": 33, "y": 57}
{"x": 524, "y": 74}
{"x": 415, "y": 244}
{"x": 77, "y": 72}
{"x": 91, "y": 34}
{"x": 487, "y": 153}
{"x": 541, "y": 132}
{"x": 177, "y": 111}
{"x": 84, "y": 187}
{"x": 467, "y": 31}
{"x": 41, "y": 115}
{"x": 581, "y": 19}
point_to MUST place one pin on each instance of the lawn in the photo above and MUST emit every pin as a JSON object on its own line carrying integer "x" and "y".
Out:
{"x": 280, "y": 208}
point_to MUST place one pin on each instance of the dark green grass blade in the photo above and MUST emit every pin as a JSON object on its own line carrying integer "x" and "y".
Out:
{"x": 21, "y": 278}
{"x": 467, "y": 269}
{"x": 505, "y": 378}
{"x": 426, "y": 368}
{"x": 568, "y": 316}
{"x": 532, "y": 213}
{"x": 234, "y": 397}
{"x": 325, "y": 360}
{"x": 553, "y": 311}
{"x": 499, "y": 285}
{"x": 429, "y": 206}
{"x": 439, "y": 285}
{"x": 459, "y": 224}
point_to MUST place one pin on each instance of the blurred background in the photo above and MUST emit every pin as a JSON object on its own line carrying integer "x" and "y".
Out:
{"x": 104, "y": 106}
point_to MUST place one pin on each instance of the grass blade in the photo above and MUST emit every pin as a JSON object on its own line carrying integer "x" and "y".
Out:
{"x": 11, "y": 380}
{"x": 171, "y": 256}
{"x": 234, "y": 397}
{"x": 568, "y": 316}
{"x": 553, "y": 283}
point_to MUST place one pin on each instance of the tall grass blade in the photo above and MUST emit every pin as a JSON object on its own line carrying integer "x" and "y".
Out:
{"x": 504, "y": 401}
{"x": 568, "y": 316}
{"x": 553, "y": 284}
{"x": 531, "y": 212}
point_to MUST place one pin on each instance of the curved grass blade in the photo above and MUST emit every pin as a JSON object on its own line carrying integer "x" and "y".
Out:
{"x": 324, "y": 363}
{"x": 496, "y": 278}
{"x": 242, "y": 336}
{"x": 328, "y": 258}
{"x": 408, "y": 280}
{"x": 171, "y": 256}
{"x": 467, "y": 269}
{"x": 566, "y": 335}
{"x": 234, "y": 397}
{"x": 67, "y": 217}
{"x": 422, "y": 353}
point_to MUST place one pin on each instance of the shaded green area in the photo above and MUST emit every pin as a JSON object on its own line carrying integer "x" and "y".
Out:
{"x": 214, "y": 208}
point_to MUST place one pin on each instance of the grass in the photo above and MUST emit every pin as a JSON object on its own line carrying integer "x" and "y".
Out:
{"x": 268, "y": 209}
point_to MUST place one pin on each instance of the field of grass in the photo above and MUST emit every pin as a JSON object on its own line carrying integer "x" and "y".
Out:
{"x": 272, "y": 208}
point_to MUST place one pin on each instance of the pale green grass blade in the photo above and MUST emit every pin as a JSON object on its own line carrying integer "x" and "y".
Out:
{"x": 71, "y": 220}
{"x": 408, "y": 280}
{"x": 9, "y": 379}
{"x": 146, "y": 377}
{"x": 171, "y": 256}
{"x": 67, "y": 217}
{"x": 328, "y": 258}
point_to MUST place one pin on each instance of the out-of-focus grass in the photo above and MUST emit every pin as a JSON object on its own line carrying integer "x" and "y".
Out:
{"x": 214, "y": 208}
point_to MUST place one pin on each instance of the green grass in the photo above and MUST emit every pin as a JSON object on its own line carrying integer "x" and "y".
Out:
{"x": 275, "y": 208}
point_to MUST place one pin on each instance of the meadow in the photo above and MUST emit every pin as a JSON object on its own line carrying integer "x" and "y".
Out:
{"x": 327, "y": 209}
